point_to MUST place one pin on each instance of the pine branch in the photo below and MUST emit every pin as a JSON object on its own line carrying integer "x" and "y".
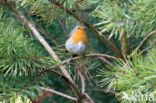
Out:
{"x": 101, "y": 90}
{"x": 82, "y": 97}
{"x": 59, "y": 93}
{"x": 50, "y": 51}
{"x": 38, "y": 36}
{"x": 102, "y": 37}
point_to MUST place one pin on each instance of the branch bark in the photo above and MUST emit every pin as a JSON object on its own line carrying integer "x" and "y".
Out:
{"x": 102, "y": 37}
{"x": 63, "y": 26}
{"x": 124, "y": 43}
{"x": 82, "y": 81}
{"x": 101, "y": 90}
{"x": 59, "y": 93}
{"x": 82, "y": 97}
{"x": 105, "y": 61}
{"x": 79, "y": 57}
{"x": 47, "y": 35}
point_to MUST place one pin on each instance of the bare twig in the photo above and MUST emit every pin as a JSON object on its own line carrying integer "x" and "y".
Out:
{"x": 101, "y": 90}
{"x": 79, "y": 57}
{"x": 84, "y": 10}
{"x": 71, "y": 84}
{"x": 90, "y": 100}
{"x": 42, "y": 30}
{"x": 105, "y": 61}
{"x": 124, "y": 20}
{"x": 94, "y": 55}
{"x": 82, "y": 97}
{"x": 59, "y": 93}
{"x": 147, "y": 48}
{"x": 144, "y": 41}
{"x": 47, "y": 35}
{"x": 82, "y": 81}
{"x": 102, "y": 37}
{"x": 63, "y": 26}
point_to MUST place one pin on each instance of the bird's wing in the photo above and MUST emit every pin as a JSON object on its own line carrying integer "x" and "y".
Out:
{"x": 71, "y": 33}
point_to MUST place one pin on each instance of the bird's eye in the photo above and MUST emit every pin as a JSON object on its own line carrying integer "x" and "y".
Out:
{"x": 78, "y": 28}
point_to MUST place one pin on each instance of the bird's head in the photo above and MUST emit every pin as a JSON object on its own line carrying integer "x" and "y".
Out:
{"x": 79, "y": 35}
{"x": 79, "y": 27}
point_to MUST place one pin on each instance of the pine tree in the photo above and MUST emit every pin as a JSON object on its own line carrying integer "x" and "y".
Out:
{"x": 120, "y": 61}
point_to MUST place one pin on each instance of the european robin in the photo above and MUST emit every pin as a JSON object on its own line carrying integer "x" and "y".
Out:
{"x": 77, "y": 40}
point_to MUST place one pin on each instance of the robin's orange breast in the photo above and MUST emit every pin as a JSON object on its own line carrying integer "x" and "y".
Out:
{"x": 79, "y": 36}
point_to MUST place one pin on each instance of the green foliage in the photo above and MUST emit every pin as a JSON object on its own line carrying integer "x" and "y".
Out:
{"x": 136, "y": 17}
{"x": 18, "y": 99}
{"x": 19, "y": 55}
{"x": 136, "y": 76}
{"x": 21, "y": 61}
{"x": 9, "y": 87}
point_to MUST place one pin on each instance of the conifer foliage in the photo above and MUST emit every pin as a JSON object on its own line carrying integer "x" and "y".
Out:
{"x": 119, "y": 66}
